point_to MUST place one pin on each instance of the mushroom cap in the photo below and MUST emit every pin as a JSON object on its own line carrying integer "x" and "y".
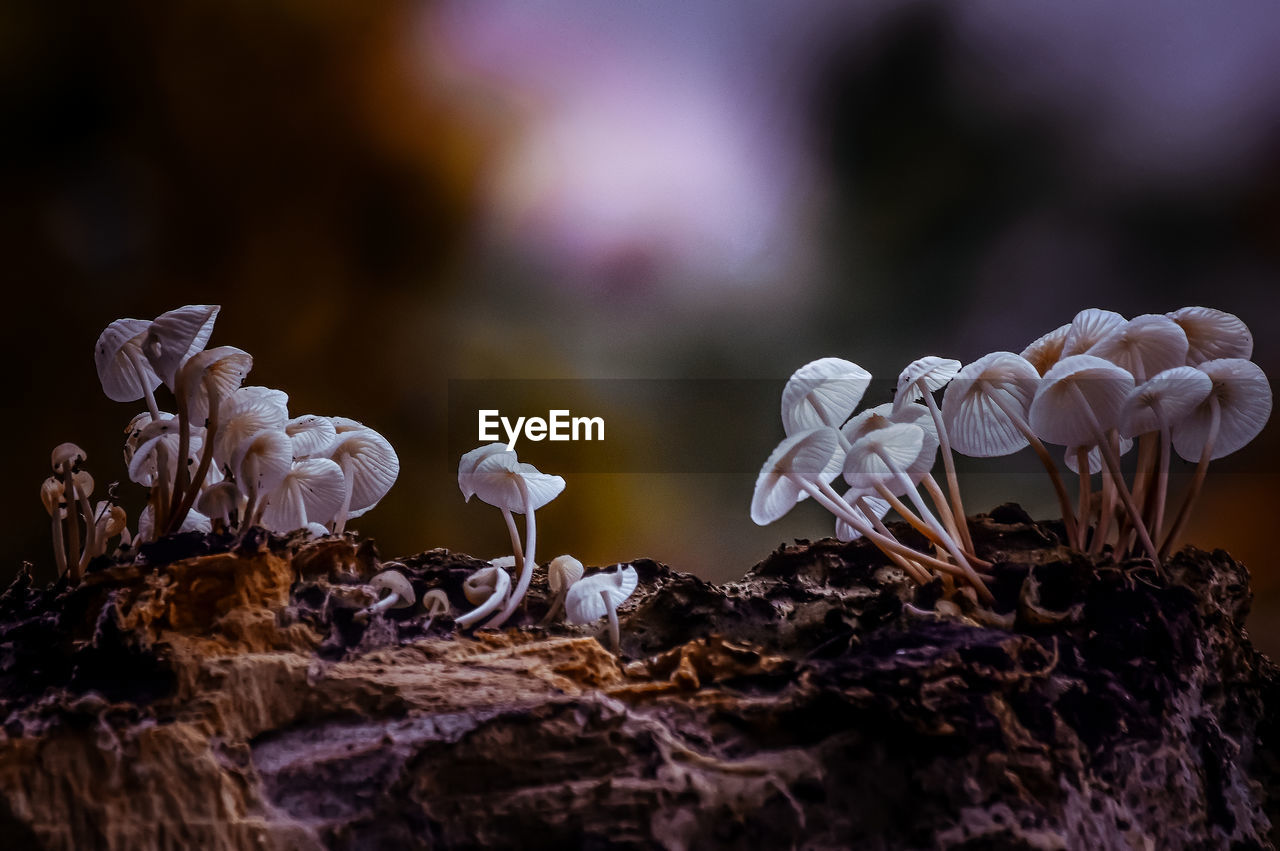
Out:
{"x": 884, "y": 415}
{"x": 220, "y": 371}
{"x": 1243, "y": 395}
{"x": 1056, "y": 415}
{"x": 1088, "y": 327}
{"x": 394, "y": 581}
{"x": 807, "y": 455}
{"x": 193, "y": 522}
{"x": 435, "y": 602}
{"x": 343, "y": 424}
{"x": 844, "y": 531}
{"x": 563, "y": 571}
{"x": 1144, "y": 346}
{"x": 976, "y": 425}
{"x": 823, "y": 392}
{"x": 51, "y": 495}
{"x": 1047, "y": 350}
{"x": 141, "y": 448}
{"x": 1164, "y": 399}
{"x": 111, "y": 521}
{"x": 591, "y": 597}
{"x": 219, "y": 500}
{"x": 1213, "y": 334}
{"x": 467, "y": 465}
{"x": 504, "y": 562}
{"x": 879, "y": 456}
{"x": 83, "y": 483}
{"x": 246, "y": 412}
{"x": 119, "y": 379}
{"x": 66, "y": 454}
{"x": 485, "y": 583}
{"x": 497, "y": 479}
{"x": 311, "y": 434}
{"x": 1095, "y": 456}
{"x": 933, "y": 371}
{"x": 369, "y": 461}
{"x": 311, "y": 492}
{"x": 263, "y": 461}
{"x": 175, "y": 336}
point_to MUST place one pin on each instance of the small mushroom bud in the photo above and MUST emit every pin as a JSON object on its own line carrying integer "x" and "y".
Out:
{"x": 487, "y": 588}
{"x": 219, "y": 502}
{"x": 561, "y": 573}
{"x": 400, "y": 596}
{"x": 436, "y": 603}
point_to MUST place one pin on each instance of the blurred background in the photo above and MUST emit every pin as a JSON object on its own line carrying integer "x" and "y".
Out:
{"x": 391, "y": 195}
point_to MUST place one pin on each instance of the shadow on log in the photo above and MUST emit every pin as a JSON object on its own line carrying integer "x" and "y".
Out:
{"x": 210, "y": 697}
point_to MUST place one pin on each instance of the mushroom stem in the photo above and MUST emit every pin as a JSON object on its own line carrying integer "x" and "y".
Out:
{"x": 557, "y": 606}
{"x": 72, "y": 499}
{"x": 913, "y": 519}
{"x": 1162, "y": 480}
{"x": 1105, "y": 511}
{"x": 206, "y": 458}
{"x": 526, "y": 572}
{"x": 914, "y": 570}
{"x": 494, "y": 600}
{"x": 383, "y": 604}
{"x": 1020, "y": 423}
{"x": 826, "y": 496}
{"x": 943, "y": 507}
{"x": 615, "y": 637}
{"x": 1202, "y": 467}
{"x": 950, "y": 545}
{"x": 59, "y": 545}
{"x": 516, "y": 549}
{"x": 1145, "y": 472}
{"x": 1117, "y": 478}
{"x": 90, "y": 533}
{"x": 340, "y": 519}
{"x": 134, "y": 357}
{"x": 960, "y": 519}
{"x": 1086, "y": 497}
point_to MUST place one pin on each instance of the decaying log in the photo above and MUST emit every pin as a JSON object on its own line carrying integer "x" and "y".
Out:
{"x": 215, "y": 694}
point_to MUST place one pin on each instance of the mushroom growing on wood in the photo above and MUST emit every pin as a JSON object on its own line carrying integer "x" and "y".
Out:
{"x": 400, "y": 594}
{"x": 369, "y": 469}
{"x": 501, "y": 480}
{"x": 985, "y": 409}
{"x": 1231, "y": 415}
{"x": 1079, "y": 404}
{"x": 485, "y": 589}
{"x": 598, "y": 595}
{"x": 562, "y": 572}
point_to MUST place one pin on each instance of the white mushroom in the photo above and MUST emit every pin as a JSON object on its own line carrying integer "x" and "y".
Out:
{"x": 246, "y": 412}
{"x": 1047, "y": 350}
{"x": 501, "y": 480}
{"x": 311, "y": 492}
{"x": 174, "y": 337}
{"x": 985, "y": 409}
{"x": 311, "y": 435}
{"x": 468, "y": 481}
{"x": 1213, "y": 334}
{"x": 369, "y": 469}
{"x": 562, "y": 572}
{"x": 486, "y": 589}
{"x": 1077, "y": 404}
{"x": 261, "y": 464}
{"x": 824, "y": 392}
{"x": 400, "y": 594}
{"x": 1088, "y": 328}
{"x": 219, "y": 502}
{"x": 1144, "y": 346}
{"x": 1230, "y": 416}
{"x": 598, "y": 595}
{"x": 123, "y": 369}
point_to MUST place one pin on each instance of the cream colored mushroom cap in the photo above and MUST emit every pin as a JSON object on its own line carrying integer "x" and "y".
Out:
{"x": 563, "y": 571}
{"x": 806, "y": 454}
{"x": 116, "y": 371}
{"x": 395, "y": 582}
{"x": 976, "y": 425}
{"x": 591, "y": 597}
{"x": 824, "y": 392}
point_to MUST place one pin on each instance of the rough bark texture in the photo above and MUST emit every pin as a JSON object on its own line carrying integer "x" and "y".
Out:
{"x": 205, "y": 698}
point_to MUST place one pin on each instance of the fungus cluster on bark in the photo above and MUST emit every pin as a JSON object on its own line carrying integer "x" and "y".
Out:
{"x": 1097, "y": 386}
{"x": 227, "y": 456}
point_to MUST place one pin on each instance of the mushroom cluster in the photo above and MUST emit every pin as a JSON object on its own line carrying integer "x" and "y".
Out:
{"x": 229, "y": 455}
{"x": 494, "y": 473}
{"x": 1098, "y": 386}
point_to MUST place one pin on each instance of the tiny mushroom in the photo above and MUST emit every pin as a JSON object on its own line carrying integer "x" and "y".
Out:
{"x": 469, "y": 479}
{"x": 435, "y": 603}
{"x": 562, "y": 572}
{"x": 486, "y": 589}
{"x": 369, "y": 469}
{"x": 400, "y": 594}
{"x": 66, "y": 458}
{"x": 219, "y": 503}
{"x": 598, "y": 595}
{"x": 51, "y": 496}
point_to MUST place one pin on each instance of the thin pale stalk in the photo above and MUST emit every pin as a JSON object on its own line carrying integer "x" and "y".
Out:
{"x": 908, "y": 515}
{"x": 950, "y": 545}
{"x": 1215, "y": 422}
{"x": 1086, "y": 495}
{"x": 1020, "y": 423}
{"x": 206, "y": 458}
{"x": 961, "y": 519}
{"x": 72, "y": 498}
{"x": 526, "y": 572}
{"x": 615, "y": 634}
{"x": 1162, "y": 480}
{"x": 516, "y": 548}
{"x": 915, "y": 571}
